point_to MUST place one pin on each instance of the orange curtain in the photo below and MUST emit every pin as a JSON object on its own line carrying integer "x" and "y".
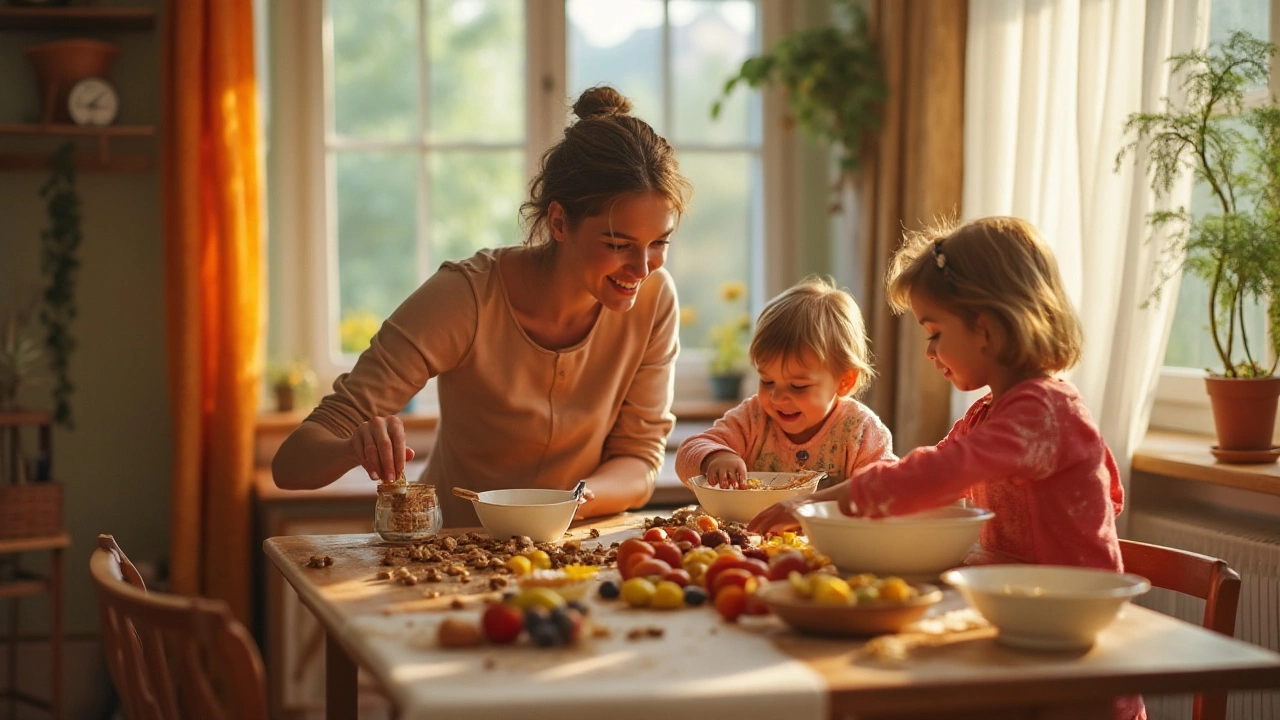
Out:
{"x": 915, "y": 176}
{"x": 212, "y": 261}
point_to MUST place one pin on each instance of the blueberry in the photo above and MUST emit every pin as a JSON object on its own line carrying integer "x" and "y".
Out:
{"x": 609, "y": 590}
{"x": 694, "y": 595}
{"x": 544, "y": 635}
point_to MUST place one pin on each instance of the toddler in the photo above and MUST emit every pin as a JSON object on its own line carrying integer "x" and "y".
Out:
{"x": 810, "y": 350}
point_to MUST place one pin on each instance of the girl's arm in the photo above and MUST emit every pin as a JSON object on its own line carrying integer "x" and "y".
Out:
{"x": 1018, "y": 441}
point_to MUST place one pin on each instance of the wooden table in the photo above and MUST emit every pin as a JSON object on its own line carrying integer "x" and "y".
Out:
{"x": 702, "y": 664}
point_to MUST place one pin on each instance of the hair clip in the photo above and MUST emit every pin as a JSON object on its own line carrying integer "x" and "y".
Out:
{"x": 939, "y": 258}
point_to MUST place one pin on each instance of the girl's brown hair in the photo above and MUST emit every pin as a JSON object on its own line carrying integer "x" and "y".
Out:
{"x": 607, "y": 153}
{"x": 817, "y": 317}
{"x": 1001, "y": 267}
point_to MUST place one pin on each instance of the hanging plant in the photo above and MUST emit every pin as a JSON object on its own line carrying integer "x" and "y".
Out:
{"x": 58, "y": 262}
{"x": 833, "y": 79}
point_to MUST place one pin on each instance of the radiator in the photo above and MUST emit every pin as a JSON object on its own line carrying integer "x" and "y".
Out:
{"x": 1252, "y": 548}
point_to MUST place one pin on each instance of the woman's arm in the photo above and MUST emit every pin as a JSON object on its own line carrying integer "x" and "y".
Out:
{"x": 312, "y": 456}
{"x": 619, "y": 484}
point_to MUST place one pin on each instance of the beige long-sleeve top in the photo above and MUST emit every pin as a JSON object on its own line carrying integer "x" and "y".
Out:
{"x": 514, "y": 414}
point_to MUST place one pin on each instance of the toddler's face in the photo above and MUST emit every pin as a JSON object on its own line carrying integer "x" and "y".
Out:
{"x": 799, "y": 393}
{"x": 954, "y": 347}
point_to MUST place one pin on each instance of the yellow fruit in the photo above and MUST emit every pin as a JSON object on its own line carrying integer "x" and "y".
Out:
{"x": 538, "y": 597}
{"x": 831, "y": 590}
{"x": 800, "y": 584}
{"x": 863, "y": 580}
{"x": 667, "y": 596}
{"x": 540, "y": 559}
{"x": 896, "y": 590}
{"x": 638, "y": 592}
{"x": 866, "y": 595}
{"x": 697, "y": 571}
{"x": 520, "y": 565}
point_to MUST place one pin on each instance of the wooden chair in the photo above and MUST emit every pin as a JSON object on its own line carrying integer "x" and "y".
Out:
{"x": 172, "y": 656}
{"x": 1201, "y": 576}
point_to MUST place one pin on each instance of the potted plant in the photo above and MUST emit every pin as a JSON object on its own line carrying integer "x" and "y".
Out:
{"x": 59, "y": 261}
{"x": 728, "y": 339}
{"x": 292, "y": 383}
{"x": 1235, "y": 154}
{"x": 22, "y": 360}
{"x": 833, "y": 80}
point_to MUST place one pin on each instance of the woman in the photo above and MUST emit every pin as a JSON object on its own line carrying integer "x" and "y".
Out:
{"x": 554, "y": 359}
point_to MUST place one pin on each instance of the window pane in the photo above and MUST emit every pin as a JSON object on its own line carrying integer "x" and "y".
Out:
{"x": 477, "y": 70}
{"x": 1190, "y": 342}
{"x": 377, "y": 237}
{"x": 710, "y": 40}
{"x": 1227, "y": 16}
{"x": 714, "y": 244}
{"x": 375, "y": 84}
{"x": 474, "y": 201}
{"x": 619, "y": 43}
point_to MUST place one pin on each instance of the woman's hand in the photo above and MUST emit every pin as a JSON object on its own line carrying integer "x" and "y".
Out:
{"x": 778, "y": 517}
{"x": 725, "y": 469}
{"x": 378, "y": 446}
{"x": 587, "y": 496}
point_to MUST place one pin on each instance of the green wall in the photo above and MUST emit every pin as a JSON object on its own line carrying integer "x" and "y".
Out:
{"x": 115, "y": 464}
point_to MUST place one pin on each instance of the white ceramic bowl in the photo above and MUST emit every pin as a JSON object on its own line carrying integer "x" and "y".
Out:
{"x": 742, "y": 505}
{"x": 916, "y": 546}
{"x": 541, "y": 515}
{"x": 1046, "y": 607}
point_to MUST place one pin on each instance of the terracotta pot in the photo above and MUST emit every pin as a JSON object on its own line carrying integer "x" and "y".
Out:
{"x": 284, "y": 398}
{"x": 61, "y": 63}
{"x": 1244, "y": 411}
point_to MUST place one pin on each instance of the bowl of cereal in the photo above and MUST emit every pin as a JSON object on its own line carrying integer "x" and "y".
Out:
{"x": 763, "y": 489}
{"x": 918, "y": 546}
{"x": 540, "y": 515}
{"x": 1046, "y": 607}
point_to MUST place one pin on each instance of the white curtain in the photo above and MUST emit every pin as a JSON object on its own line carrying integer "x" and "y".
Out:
{"x": 1048, "y": 85}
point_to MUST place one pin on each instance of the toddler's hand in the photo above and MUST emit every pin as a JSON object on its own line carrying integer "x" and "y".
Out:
{"x": 778, "y": 517}
{"x": 726, "y": 470}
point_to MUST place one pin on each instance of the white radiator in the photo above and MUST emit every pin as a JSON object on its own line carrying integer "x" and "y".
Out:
{"x": 1252, "y": 548}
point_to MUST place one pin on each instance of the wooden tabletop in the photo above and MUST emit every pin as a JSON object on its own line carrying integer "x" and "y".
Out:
{"x": 755, "y": 668}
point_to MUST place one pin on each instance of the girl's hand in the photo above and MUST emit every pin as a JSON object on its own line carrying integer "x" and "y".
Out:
{"x": 725, "y": 470}
{"x": 778, "y": 517}
{"x": 378, "y": 446}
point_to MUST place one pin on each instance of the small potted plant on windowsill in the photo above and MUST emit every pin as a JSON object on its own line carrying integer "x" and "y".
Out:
{"x": 728, "y": 364}
{"x": 1235, "y": 154}
{"x": 292, "y": 383}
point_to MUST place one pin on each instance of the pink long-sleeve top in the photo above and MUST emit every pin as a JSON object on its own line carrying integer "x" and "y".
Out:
{"x": 513, "y": 413}
{"x": 852, "y": 436}
{"x": 1035, "y": 458}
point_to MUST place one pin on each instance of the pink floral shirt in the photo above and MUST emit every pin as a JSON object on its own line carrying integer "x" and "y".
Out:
{"x": 851, "y": 437}
{"x": 1035, "y": 458}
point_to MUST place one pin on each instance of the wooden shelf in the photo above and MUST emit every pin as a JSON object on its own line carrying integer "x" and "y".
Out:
{"x": 101, "y": 161}
{"x": 93, "y": 19}
{"x": 25, "y": 417}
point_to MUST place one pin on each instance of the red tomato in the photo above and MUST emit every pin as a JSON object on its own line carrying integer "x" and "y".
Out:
{"x": 630, "y": 547}
{"x": 784, "y": 562}
{"x": 726, "y": 562}
{"x": 755, "y": 606}
{"x": 731, "y": 602}
{"x": 650, "y": 567}
{"x": 679, "y": 577}
{"x": 733, "y": 577}
{"x": 689, "y": 535}
{"x": 667, "y": 552}
{"x": 655, "y": 534}
{"x": 502, "y": 623}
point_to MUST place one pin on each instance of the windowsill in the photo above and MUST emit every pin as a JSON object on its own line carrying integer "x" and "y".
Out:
{"x": 1186, "y": 456}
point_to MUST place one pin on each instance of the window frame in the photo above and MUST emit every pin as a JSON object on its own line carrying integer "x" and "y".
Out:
{"x": 302, "y": 269}
{"x": 1181, "y": 399}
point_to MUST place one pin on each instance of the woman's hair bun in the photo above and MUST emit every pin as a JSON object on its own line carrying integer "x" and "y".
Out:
{"x": 601, "y": 101}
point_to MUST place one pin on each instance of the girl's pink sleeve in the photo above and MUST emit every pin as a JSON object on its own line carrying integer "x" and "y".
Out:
{"x": 733, "y": 432}
{"x": 1021, "y": 441}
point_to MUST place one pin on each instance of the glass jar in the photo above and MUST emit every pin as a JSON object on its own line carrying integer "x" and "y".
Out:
{"x": 406, "y": 512}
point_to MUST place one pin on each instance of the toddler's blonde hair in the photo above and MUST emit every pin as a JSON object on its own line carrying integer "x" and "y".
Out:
{"x": 999, "y": 266}
{"x": 814, "y": 316}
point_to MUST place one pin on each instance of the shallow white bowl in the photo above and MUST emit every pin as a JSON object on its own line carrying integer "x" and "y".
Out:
{"x": 742, "y": 505}
{"x": 1046, "y": 607}
{"x": 540, "y": 515}
{"x": 917, "y": 546}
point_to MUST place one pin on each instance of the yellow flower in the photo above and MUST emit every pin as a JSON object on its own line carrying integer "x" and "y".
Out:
{"x": 688, "y": 315}
{"x": 356, "y": 330}
{"x": 731, "y": 291}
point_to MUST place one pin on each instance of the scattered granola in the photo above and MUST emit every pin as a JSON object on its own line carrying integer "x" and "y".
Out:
{"x": 320, "y": 561}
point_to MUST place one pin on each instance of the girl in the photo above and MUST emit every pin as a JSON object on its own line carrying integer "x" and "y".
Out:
{"x": 990, "y": 298}
{"x": 810, "y": 350}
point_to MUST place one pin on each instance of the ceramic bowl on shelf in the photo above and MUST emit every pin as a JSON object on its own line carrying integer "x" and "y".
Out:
{"x": 742, "y": 505}
{"x": 540, "y": 515}
{"x": 874, "y": 618}
{"x": 1046, "y": 607}
{"x": 915, "y": 546}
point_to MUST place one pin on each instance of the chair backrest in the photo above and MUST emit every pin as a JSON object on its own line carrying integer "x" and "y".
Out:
{"x": 172, "y": 656}
{"x": 1207, "y": 578}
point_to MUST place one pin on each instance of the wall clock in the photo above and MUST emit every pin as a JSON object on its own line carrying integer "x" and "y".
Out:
{"x": 93, "y": 101}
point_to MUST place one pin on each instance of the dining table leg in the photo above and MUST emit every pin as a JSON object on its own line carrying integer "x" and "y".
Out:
{"x": 341, "y": 696}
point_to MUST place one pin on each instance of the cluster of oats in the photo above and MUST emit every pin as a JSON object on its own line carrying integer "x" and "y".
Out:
{"x": 319, "y": 561}
{"x": 457, "y": 556}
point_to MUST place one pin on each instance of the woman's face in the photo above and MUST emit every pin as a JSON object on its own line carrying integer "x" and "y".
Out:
{"x": 611, "y": 254}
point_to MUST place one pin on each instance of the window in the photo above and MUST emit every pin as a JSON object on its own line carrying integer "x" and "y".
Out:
{"x": 404, "y": 133}
{"x": 1181, "y": 400}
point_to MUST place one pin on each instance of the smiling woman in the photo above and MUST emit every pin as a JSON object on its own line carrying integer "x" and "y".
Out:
{"x": 554, "y": 359}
